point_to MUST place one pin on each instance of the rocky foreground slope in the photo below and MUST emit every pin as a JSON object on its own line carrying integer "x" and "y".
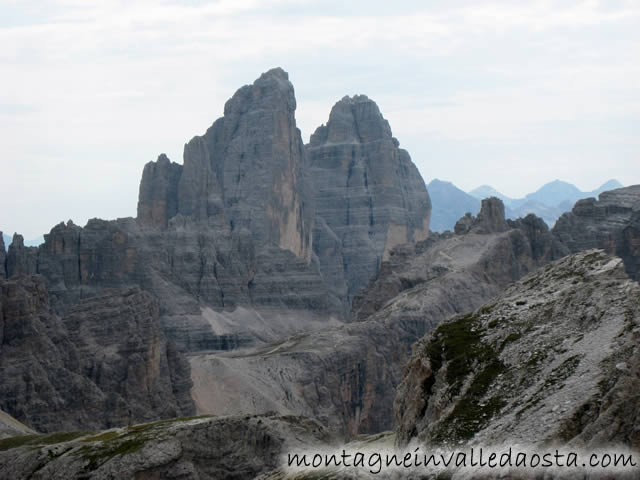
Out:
{"x": 553, "y": 359}
{"x": 196, "y": 448}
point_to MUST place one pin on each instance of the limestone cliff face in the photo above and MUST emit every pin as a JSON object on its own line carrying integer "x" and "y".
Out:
{"x": 103, "y": 363}
{"x": 610, "y": 223}
{"x": 369, "y": 195}
{"x": 244, "y": 173}
{"x": 554, "y": 359}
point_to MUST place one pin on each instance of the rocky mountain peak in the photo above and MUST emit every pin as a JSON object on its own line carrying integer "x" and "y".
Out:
{"x": 369, "y": 195}
{"x": 17, "y": 241}
{"x": 271, "y": 90}
{"x": 354, "y": 119}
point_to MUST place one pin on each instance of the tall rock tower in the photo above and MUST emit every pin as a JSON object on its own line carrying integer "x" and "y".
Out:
{"x": 369, "y": 195}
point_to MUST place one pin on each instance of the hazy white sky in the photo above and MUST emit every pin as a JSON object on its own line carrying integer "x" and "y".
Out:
{"x": 508, "y": 93}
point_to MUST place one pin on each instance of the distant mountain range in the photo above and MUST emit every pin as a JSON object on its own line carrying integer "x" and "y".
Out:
{"x": 548, "y": 202}
{"x": 447, "y": 202}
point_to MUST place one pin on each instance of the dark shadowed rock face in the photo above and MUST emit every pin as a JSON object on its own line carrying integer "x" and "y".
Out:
{"x": 554, "y": 359}
{"x": 610, "y": 223}
{"x": 369, "y": 195}
{"x": 21, "y": 260}
{"x": 103, "y": 363}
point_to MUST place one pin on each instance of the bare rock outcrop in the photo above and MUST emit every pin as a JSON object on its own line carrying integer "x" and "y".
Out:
{"x": 368, "y": 193}
{"x": 554, "y": 359}
{"x": 490, "y": 219}
{"x": 158, "y": 196}
{"x": 21, "y": 260}
{"x": 105, "y": 362}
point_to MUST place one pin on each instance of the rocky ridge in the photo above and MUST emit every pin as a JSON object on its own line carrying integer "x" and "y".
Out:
{"x": 554, "y": 358}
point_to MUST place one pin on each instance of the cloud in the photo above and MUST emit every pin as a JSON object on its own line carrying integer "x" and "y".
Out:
{"x": 479, "y": 92}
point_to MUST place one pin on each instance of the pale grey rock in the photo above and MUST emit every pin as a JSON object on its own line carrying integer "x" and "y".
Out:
{"x": 10, "y": 427}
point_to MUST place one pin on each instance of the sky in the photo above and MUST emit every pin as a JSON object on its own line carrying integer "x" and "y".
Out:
{"x": 508, "y": 93}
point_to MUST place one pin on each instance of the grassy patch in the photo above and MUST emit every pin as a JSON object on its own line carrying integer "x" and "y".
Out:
{"x": 61, "y": 437}
{"x": 15, "y": 442}
{"x": 458, "y": 347}
{"x": 124, "y": 442}
{"x": 458, "y": 343}
{"x": 101, "y": 438}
